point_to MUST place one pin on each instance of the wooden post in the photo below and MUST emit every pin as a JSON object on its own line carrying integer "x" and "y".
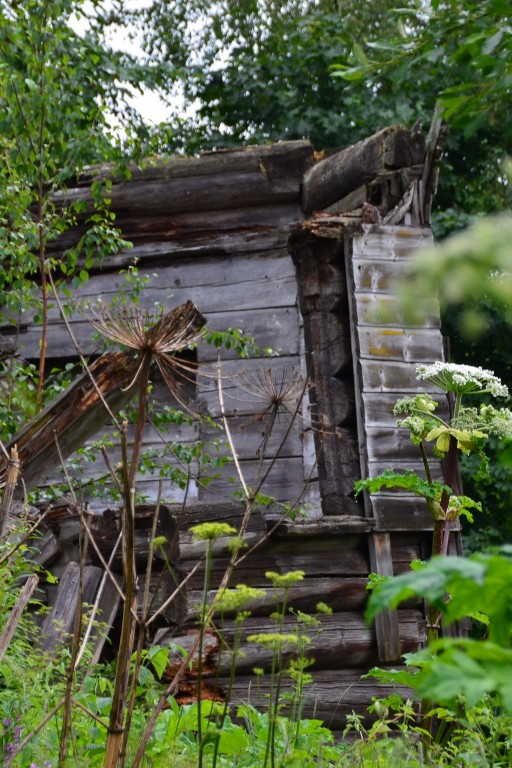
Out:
{"x": 12, "y": 476}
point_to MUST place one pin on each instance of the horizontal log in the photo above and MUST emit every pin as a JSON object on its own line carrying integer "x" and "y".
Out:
{"x": 378, "y": 275}
{"x": 337, "y": 641}
{"x": 278, "y": 297}
{"x": 224, "y": 245}
{"x": 335, "y": 176}
{"x": 180, "y": 194}
{"x": 249, "y": 386}
{"x": 174, "y": 234}
{"x": 416, "y": 465}
{"x": 212, "y": 279}
{"x": 277, "y": 328}
{"x": 195, "y": 550}
{"x": 106, "y": 528}
{"x": 332, "y": 696}
{"x": 339, "y": 593}
{"x": 284, "y": 482}
{"x": 333, "y": 524}
{"x": 394, "y": 445}
{"x": 254, "y": 435}
{"x": 401, "y": 512}
{"x": 229, "y": 511}
{"x": 318, "y": 556}
{"x": 278, "y": 156}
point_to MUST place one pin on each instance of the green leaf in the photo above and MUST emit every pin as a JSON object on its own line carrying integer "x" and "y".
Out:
{"x": 159, "y": 658}
{"x": 493, "y": 42}
{"x": 360, "y": 54}
{"x": 407, "y": 480}
{"x": 350, "y": 73}
{"x": 433, "y": 581}
{"x": 234, "y": 741}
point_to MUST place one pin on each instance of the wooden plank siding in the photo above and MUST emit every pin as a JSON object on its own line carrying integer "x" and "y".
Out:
{"x": 387, "y": 357}
{"x": 384, "y": 366}
{"x": 213, "y": 230}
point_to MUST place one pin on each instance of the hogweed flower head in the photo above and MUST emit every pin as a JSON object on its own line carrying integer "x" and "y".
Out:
{"x": 462, "y": 379}
{"x": 160, "y": 338}
{"x": 277, "y": 393}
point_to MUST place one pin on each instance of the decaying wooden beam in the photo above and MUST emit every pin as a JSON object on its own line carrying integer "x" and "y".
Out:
{"x": 44, "y": 547}
{"x": 323, "y": 304}
{"x": 106, "y": 606}
{"x": 105, "y": 530}
{"x": 74, "y": 416}
{"x": 58, "y": 624}
{"x": 336, "y": 176}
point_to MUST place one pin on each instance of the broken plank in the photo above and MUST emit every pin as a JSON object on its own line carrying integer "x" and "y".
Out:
{"x": 58, "y": 625}
{"x": 73, "y": 416}
{"x": 106, "y": 604}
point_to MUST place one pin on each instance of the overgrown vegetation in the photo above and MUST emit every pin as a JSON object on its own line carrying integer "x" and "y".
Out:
{"x": 260, "y": 70}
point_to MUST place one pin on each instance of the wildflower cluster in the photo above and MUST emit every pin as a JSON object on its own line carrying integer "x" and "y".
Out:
{"x": 462, "y": 379}
{"x": 233, "y": 599}
{"x": 212, "y": 531}
{"x": 420, "y": 419}
{"x": 285, "y": 580}
{"x": 10, "y": 736}
{"x": 490, "y": 420}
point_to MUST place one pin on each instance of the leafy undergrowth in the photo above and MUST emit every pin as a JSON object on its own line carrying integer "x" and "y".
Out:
{"x": 481, "y": 737}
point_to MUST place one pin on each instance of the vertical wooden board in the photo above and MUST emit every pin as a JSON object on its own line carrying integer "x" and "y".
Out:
{"x": 108, "y": 601}
{"x": 58, "y": 624}
{"x": 386, "y": 623}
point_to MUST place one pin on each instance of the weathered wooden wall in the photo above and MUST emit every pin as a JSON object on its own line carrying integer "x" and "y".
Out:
{"x": 213, "y": 230}
{"x": 229, "y": 232}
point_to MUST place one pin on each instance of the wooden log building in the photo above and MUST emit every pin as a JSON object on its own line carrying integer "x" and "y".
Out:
{"x": 297, "y": 249}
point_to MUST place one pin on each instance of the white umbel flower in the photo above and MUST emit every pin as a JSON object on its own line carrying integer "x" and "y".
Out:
{"x": 462, "y": 379}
